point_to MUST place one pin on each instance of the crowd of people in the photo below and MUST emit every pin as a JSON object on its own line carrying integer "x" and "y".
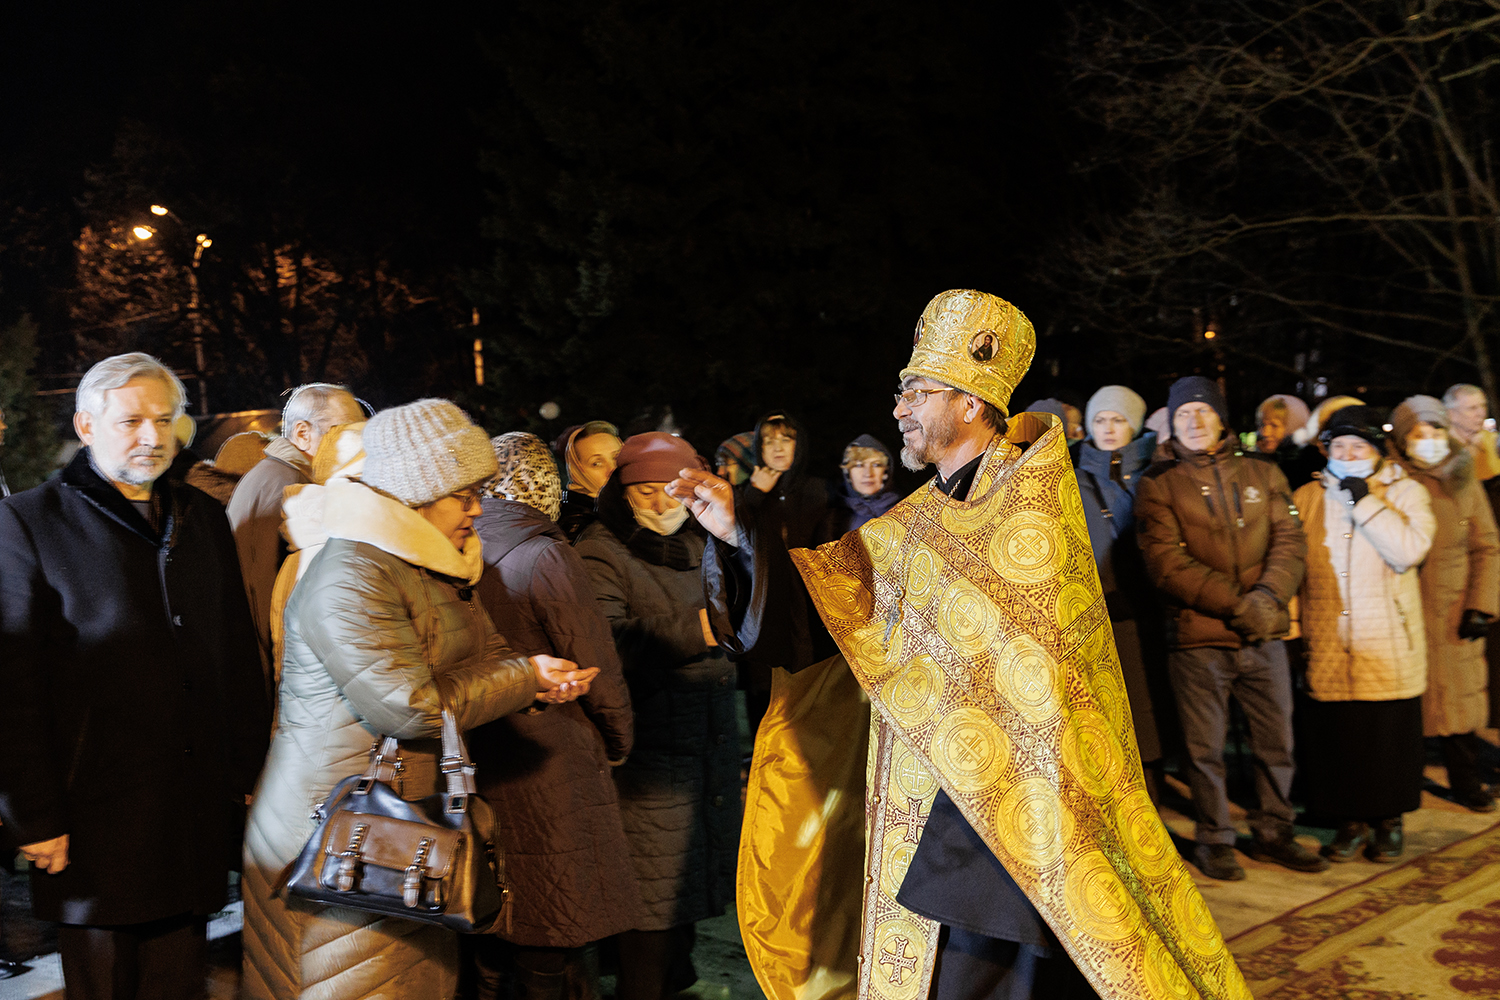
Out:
{"x": 178, "y": 669}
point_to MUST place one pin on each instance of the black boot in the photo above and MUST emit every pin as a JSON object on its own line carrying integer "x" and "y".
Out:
{"x": 1388, "y": 843}
{"x": 1347, "y": 842}
{"x": 1461, "y": 758}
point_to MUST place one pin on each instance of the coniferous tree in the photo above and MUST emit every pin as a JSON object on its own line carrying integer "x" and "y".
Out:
{"x": 30, "y": 446}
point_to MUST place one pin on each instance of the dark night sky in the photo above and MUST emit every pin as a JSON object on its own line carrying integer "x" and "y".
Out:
{"x": 378, "y": 107}
{"x": 365, "y": 123}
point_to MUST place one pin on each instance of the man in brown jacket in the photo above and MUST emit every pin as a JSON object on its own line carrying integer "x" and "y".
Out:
{"x": 1224, "y": 546}
{"x": 254, "y": 510}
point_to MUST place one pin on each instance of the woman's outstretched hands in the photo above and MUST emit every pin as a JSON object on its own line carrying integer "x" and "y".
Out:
{"x": 709, "y": 499}
{"x": 561, "y": 680}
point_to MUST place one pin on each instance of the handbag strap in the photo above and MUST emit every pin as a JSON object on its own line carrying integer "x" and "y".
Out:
{"x": 457, "y": 768}
{"x": 385, "y": 761}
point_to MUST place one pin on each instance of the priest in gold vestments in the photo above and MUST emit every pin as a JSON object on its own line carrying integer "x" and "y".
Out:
{"x": 946, "y": 800}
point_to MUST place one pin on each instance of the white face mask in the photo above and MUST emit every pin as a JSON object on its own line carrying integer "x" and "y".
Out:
{"x": 1429, "y": 451}
{"x": 665, "y": 523}
{"x": 1362, "y": 469}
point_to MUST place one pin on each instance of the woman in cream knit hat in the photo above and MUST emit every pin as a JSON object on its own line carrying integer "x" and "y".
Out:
{"x": 380, "y": 634}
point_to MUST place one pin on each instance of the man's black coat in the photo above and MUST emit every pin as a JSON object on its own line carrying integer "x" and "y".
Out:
{"x": 132, "y": 711}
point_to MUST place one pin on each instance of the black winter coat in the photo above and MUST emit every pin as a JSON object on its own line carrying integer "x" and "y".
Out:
{"x": 547, "y": 771}
{"x": 134, "y": 717}
{"x": 1107, "y": 482}
{"x": 680, "y": 789}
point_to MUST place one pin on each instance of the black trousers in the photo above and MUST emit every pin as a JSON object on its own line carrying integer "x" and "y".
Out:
{"x": 656, "y": 965}
{"x": 161, "y": 960}
{"x": 972, "y": 967}
{"x": 514, "y": 972}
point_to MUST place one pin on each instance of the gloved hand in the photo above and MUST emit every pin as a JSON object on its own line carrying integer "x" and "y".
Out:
{"x": 1259, "y": 617}
{"x": 1475, "y": 624}
{"x": 1358, "y": 488}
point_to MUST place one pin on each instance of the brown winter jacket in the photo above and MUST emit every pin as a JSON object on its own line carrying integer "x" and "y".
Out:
{"x": 546, "y": 770}
{"x": 1461, "y": 571}
{"x": 255, "y": 517}
{"x": 1212, "y": 526}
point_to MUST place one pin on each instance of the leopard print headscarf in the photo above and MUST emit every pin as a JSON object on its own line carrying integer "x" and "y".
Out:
{"x": 527, "y": 473}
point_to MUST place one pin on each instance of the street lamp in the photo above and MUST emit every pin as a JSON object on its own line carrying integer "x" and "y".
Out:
{"x": 201, "y": 243}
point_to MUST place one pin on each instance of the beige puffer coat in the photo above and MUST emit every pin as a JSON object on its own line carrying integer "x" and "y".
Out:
{"x": 377, "y": 624}
{"x": 1461, "y": 571}
{"x": 1361, "y": 600}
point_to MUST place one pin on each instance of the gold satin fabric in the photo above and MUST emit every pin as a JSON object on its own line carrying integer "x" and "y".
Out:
{"x": 978, "y": 632}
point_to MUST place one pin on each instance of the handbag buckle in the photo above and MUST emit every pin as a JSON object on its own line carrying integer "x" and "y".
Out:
{"x": 451, "y": 765}
{"x": 349, "y": 857}
{"x": 416, "y": 872}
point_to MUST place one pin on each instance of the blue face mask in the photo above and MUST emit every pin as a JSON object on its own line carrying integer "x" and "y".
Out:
{"x": 1362, "y": 469}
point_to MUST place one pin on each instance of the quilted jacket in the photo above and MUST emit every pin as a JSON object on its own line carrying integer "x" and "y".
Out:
{"x": 1212, "y": 526}
{"x": 546, "y": 771}
{"x": 382, "y": 620}
{"x": 1462, "y": 570}
{"x": 1361, "y": 600}
{"x": 680, "y": 789}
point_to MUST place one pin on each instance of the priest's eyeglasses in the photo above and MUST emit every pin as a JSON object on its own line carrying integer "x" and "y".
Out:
{"x": 914, "y": 398}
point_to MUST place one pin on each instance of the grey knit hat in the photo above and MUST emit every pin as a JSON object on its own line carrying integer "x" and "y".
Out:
{"x": 1116, "y": 399}
{"x": 424, "y": 451}
{"x": 1426, "y": 409}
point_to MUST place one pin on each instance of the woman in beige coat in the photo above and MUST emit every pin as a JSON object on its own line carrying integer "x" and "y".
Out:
{"x": 1460, "y": 591}
{"x": 381, "y": 632}
{"x": 1368, "y": 526}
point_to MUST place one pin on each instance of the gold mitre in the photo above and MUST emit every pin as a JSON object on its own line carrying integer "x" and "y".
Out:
{"x": 975, "y": 342}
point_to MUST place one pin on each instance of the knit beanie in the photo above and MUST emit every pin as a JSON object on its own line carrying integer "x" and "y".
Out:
{"x": 1157, "y": 423}
{"x": 737, "y": 450}
{"x": 424, "y": 451}
{"x": 1296, "y": 411}
{"x": 1414, "y": 409}
{"x": 1115, "y": 399}
{"x": 1354, "y": 421}
{"x": 1196, "y": 389}
{"x": 527, "y": 473}
{"x": 655, "y": 457}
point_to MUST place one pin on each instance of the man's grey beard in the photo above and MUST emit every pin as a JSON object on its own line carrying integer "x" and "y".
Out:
{"x": 939, "y": 439}
{"x": 131, "y": 476}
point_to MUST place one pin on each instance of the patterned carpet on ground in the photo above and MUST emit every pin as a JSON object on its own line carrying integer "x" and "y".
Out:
{"x": 1429, "y": 928}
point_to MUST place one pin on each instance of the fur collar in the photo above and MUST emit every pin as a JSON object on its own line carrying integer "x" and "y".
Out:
{"x": 1454, "y": 471}
{"x": 353, "y": 511}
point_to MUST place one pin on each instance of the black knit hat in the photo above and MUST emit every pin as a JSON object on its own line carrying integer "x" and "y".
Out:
{"x": 1353, "y": 421}
{"x": 1196, "y": 389}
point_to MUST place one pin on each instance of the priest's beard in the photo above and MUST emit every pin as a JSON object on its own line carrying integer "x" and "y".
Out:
{"x": 935, "y": 439}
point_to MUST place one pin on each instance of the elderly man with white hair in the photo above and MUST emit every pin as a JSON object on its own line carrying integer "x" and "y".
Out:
{"x": 255, "y": 512}
{"x": 1467, "y": 411}
{"x": 134, "y": 715}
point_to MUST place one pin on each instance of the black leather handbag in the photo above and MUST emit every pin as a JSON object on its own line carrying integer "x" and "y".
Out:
{"x": 434, "y": 860}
